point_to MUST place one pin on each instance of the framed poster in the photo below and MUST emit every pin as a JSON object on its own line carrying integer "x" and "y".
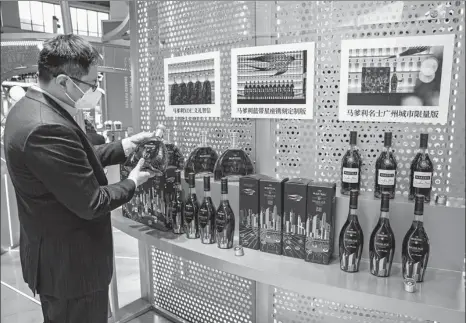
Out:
{"x": 274, "y": 81}
{"x": 397, "y": 79}
{"x": 192, "y": 85}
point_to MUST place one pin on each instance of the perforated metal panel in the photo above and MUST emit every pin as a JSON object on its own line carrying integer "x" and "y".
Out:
{"x": 197, "y": 293}
{"x": 178, "y": 28}
{"x": 314, "y": 148}
{"x": 290, "y": 307}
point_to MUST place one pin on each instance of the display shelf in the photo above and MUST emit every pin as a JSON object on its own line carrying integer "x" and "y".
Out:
{"x": 441, "y": 297}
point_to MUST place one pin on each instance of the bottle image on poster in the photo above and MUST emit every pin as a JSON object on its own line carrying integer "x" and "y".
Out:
{"x": 273, "y": 81}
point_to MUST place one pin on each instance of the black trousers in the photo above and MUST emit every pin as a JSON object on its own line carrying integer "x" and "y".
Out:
{"x": 92, "y": 308}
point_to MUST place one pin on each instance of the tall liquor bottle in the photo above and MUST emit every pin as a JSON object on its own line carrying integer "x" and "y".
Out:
{"x": 153, "y": 151}
{"x": 351, "y": 167}
{"x": 202, "y": 159}
{"x": 191, "y": 210}
{"x": 416, "y": 248}
{"x": 225, "y": 219}
{"x": 421, "y": 172}
{"x": 233, "y": 163}
{"x": 177, "y": 206}
{"x": 382, "y": 242}
{"x": 351, "y": 238}
{"x": 175, "y": 157}
{"x": 207, "y": 215}
{"x": 385, "y": 170}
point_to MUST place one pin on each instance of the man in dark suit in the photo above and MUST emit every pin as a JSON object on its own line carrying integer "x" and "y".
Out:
{"x": 64, "y": 200}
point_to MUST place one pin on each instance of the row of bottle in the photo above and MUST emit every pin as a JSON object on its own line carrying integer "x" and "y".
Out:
{"x": 386, "y": 170}
{"x": 405, "y": 84}
{"x": 388, "y": 51}
{"x": 403, "y": 65}
{"x": 204, "y": 220}
{"x": 415, "y": 247}
{"x": 269, "y": 90}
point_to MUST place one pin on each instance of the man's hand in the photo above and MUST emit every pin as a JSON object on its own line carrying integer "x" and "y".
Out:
{"x": 130, "y": 143}
{"x": 138, "y": 176}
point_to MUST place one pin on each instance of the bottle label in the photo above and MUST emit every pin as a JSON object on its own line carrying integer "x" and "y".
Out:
{"x": 351, "y": 240}
{"x": 386, "y": 177}
{"x": 422, "y": 179}
{"x": 220, "y": 221}
{"x": 350, "y": 175}
{"x": 188, "y": 214}
{"x": 417, "y": 248}
{"x": 203, "y": 217}
{"x": 383, "y": 244}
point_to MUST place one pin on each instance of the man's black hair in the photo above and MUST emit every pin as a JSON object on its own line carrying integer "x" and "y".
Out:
{"x": 66, "y": 54}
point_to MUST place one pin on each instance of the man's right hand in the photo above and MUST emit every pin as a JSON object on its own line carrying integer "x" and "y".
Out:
{"x": 138, "y": 176}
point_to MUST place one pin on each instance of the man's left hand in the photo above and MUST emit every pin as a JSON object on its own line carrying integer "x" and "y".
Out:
{"x": 130, "y": 143}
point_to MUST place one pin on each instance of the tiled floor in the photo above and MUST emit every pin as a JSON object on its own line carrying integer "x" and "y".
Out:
{"x": 19, "y": 305}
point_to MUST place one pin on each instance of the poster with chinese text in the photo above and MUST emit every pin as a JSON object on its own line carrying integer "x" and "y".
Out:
{"x": 273, "y": 81}
{"x": 192, "y": 85}
{"x": 396, "y": 79}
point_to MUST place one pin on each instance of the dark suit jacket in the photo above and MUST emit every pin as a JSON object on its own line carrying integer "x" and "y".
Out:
{"x": 64, "y": 200}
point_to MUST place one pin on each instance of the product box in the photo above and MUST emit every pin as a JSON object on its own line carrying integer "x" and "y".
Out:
{"x": 249, "y": 222}
{"x": 294, "y": 218}
{"x": 320, "y": 224}
{"x": 148, "y": 204}
{"x": 271, "y": 214}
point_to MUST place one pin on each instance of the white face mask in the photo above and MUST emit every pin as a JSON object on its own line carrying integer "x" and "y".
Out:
{"x": 89, "y": 100}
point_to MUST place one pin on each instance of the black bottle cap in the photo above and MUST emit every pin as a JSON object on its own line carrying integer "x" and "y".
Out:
{"x": 206, "y": 183}
{"x": 353, "y": 137}
{"x": 387, "y": 140}
{"x": 224, "y": 185}
{"x": 424, "y": 140}
{"x": 354, "y": 199}
{"x": 192, "y": 180}
{"x": 419, "y": 205}
{"x": 177, "y": 176}
{"x": 385, "y": 203}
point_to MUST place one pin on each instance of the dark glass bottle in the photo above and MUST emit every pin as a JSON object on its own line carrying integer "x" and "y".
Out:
{"x": 207, "y": 215}
{"x": 382, "y": 242}
{"x": 153, "y": 151}
{"x": 351, "y": 238}
{"x": 246, "y": 91}
{"x": 292, "y": 89}
{"x": 233, "y": 163}
{"x": 385, "y": 170}
{"x": 177, "y": 206}
{"x": 202, "y": 159}
{"x": 225, "y": 220}
{"x": 161, "y": 220}
{"x": 351, "y": 167}
{"x": 416, "y": 247}
{"x": 175, "y": 157}
{"x": 191, "y": 210}
{"x": 421, "y": 172}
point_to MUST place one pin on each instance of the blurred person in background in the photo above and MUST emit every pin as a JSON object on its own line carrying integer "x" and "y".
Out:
{"x": 64, "y": 199}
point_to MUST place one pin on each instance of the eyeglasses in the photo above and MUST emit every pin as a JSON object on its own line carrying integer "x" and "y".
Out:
{"x": 92, "y": 86}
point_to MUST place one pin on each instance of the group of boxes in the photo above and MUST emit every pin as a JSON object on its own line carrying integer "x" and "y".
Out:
{"x": 294, "y": 218}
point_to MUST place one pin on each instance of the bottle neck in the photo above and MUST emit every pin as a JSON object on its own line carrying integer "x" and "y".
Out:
{"x": 387, "y": 149}
{"x": 234, "y": 141}
{"x": 224, "y": 197}
{"x": 192, "y": 190}
{"x": 423, "y": 151}
{"x": 353, "y": 212}
{"x": 418, "y": 218}
{"x": 384, "y": 214}
{"x": 168, "y": 136}
{"x": 207, "y": 194}
{"x": 178, "y": 187}
{"x": 352, "y": 146}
